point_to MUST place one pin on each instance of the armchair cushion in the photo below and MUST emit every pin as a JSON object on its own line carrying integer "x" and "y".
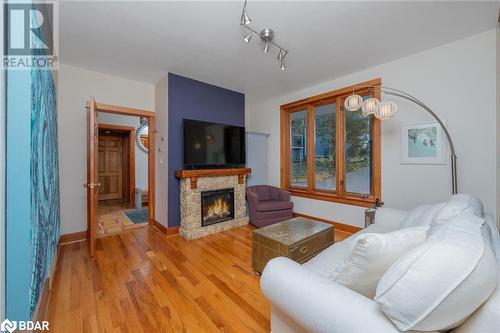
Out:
{"x": 272, "y": 205}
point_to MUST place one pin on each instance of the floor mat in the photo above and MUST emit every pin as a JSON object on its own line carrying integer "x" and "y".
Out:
{"x": 138, "y": 215}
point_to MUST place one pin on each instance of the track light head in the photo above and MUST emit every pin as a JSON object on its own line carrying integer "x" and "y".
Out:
{"x": 266, "y": 47}
{"x": 282, "y": 67}
{"x": 247, "y": 38}
{"x": 280, "y": 55}
{"x": 245, "y": 19}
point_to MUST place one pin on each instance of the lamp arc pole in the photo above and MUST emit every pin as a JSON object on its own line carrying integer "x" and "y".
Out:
{"x": 453, "y": 155}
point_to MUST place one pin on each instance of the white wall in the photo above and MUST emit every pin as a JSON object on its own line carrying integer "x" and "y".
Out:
{"x": 458, "y": 81}
{"x": 161, "y": 184}
{"x": 141, "y": 158}
{"x": 498, "y": 120}
{"x": 2, "y": 180}
{"x": 75, "y": 87}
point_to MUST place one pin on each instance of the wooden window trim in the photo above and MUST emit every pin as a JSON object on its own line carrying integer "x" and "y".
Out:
{"x": 339, "y": 195}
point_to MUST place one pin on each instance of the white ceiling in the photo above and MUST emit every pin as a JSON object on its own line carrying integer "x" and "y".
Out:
{"x": 203, "y": 40}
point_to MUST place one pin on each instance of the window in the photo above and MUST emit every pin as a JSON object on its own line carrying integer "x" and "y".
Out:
{"x": 329, "y": 153}
{"x": 298, "y": 149}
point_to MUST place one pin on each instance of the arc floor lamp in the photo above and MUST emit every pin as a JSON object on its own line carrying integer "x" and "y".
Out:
{"x": 387, "y": 109}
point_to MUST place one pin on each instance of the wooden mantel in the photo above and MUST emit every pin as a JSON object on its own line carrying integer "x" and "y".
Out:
{"x": 193, "y": 175}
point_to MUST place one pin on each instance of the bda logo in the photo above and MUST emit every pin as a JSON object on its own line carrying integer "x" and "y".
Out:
{"x": 8, "y": 326}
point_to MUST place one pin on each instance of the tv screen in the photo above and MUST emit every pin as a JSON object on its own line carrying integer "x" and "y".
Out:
{"x": 213, "y": 145}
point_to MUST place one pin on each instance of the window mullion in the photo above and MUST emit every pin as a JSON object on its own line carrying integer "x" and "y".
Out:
{"x": 310, "y": 148}
{"x": 376, "y": 151}
{"x": 340, "y": 138}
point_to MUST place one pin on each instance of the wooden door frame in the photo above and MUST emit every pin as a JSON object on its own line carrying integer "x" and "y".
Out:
{"x": 150, "y": 115}
{"x": 130, "y": 134}
{"x": 92, "y": 190}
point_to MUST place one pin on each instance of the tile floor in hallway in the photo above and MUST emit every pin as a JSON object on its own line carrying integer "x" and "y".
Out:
{"x": 112, "y": 218}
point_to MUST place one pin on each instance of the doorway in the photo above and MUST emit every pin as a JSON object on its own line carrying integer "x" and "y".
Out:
{"x": 115, "y": 200}
{"x": 117, "y": 208}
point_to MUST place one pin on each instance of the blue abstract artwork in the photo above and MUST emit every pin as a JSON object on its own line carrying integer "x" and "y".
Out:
{"x": 45, "y": 213}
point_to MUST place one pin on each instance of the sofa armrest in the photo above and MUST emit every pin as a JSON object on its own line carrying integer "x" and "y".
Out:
{"x": 390, "y": 218}
{"x": 317, "y": 304}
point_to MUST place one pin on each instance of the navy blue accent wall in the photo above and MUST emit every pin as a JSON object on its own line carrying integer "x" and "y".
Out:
{"x": 191, "y": 99}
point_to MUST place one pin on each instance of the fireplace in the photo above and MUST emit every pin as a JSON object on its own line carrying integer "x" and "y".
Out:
{"x": 217, "y": 206}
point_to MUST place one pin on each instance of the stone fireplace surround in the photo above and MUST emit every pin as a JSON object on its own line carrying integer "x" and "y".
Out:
{"x": 193, "y": 182}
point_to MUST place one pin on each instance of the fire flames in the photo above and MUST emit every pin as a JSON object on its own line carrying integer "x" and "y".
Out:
{"x": 219, "y": 208}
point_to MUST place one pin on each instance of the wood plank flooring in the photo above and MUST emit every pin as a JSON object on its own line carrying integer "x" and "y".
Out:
{"x": 143, "y": 281}
{"x": 112, "y": 217}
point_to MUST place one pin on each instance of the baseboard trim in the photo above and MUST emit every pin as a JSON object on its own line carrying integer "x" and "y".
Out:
{"x": 73, "y": 237}
{"x": 338, "y": 226}
{"x": 167, "y": 231}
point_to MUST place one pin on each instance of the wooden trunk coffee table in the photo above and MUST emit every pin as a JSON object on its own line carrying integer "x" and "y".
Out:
{"x": 299, "y": 239}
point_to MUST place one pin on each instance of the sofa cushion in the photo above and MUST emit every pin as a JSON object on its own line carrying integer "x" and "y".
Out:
{"x": 422, "y": 215}
{"x": 372, "y": 254}
{"x": 486, "y": 318}
{"x": 272, "y": 205}
{"x": 325, "y": 263}
{"x": 439, "y": 284}
{"x": 458, "y": 204}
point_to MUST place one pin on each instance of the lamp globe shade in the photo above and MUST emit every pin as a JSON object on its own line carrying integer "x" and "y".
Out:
{"x": 386, "y": 110}
{"x": 369, "y": 106}
{"x": 353, "y": 102}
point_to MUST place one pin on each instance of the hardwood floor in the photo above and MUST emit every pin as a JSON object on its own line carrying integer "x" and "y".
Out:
{"x": 143, "y": 281}
{"x": 112, "y": 217}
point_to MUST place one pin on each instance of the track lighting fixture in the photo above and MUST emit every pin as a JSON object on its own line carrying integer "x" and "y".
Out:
{"x": 266, "y": 47}
{"x": 266, "y": 36}
{"x": 245, "y": 19}
{"x": 280, "y": 55}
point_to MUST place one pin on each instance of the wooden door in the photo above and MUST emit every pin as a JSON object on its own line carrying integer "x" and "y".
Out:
{"x": 92, "y": 184}
{"x": 110, "y": 167}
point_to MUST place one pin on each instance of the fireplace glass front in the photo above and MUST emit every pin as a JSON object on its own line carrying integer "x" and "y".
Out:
{"x": 217, "y": 206}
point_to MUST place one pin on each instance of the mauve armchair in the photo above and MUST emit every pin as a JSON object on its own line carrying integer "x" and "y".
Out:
{"x": 268, "y": 205}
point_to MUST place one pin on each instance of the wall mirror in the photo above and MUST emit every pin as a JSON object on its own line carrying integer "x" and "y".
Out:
{"x": 142, "y": 136}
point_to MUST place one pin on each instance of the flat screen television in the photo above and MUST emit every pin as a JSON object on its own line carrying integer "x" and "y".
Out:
{"x": 211, "y": 145}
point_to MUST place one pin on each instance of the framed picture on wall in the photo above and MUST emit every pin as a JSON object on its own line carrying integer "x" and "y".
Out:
{"x": 422, "y": 143}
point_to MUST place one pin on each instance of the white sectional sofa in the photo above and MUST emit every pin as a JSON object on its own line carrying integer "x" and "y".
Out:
{"x": 305, "y": 299}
